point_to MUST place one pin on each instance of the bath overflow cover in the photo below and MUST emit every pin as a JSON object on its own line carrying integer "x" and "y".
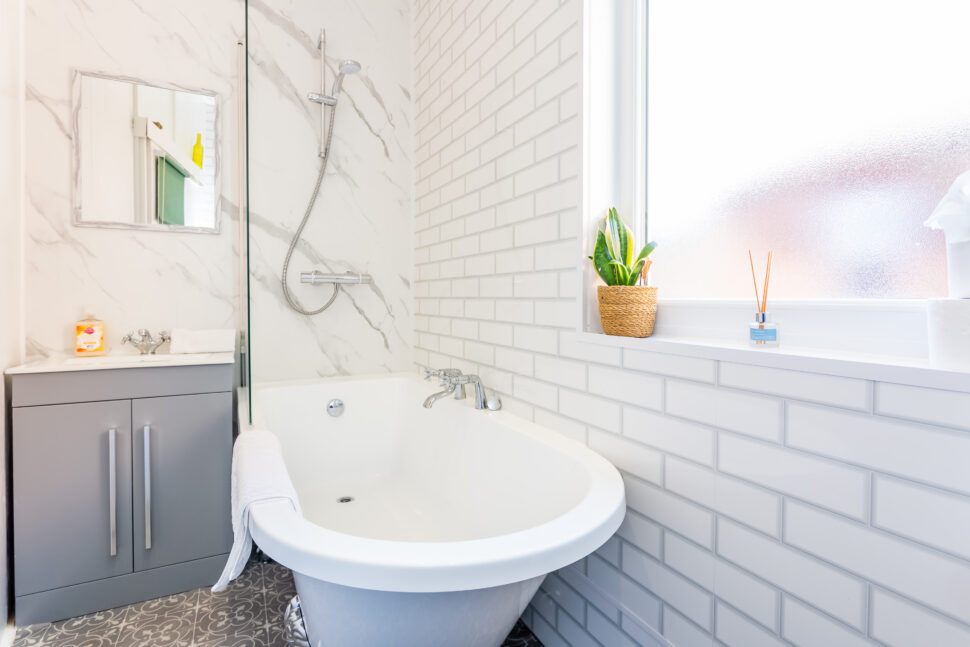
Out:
{"x": 335, "y": 407}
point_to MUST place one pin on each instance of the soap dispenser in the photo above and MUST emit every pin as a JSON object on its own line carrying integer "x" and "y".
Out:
{"x": 89, "y": 336}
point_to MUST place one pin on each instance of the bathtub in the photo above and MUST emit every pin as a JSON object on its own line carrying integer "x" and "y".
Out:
{"x": 423, "y": 527}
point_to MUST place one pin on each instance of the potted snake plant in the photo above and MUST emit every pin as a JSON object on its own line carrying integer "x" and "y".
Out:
{"x": 628, "y": 307}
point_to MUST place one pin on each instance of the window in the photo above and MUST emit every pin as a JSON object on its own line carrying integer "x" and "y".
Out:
{"x": 827, "y": 131}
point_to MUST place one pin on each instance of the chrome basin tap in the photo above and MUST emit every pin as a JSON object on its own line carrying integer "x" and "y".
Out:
{"x": 144, "y": 342}
{"x": 455, "y": 381}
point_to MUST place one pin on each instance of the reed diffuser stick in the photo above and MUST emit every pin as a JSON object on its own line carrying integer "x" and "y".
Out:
{"x": 754, "y": 279}
{"x": 764, "y": 293}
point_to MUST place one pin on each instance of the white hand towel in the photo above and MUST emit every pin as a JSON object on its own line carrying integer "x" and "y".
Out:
{"x": 203, "y": 341}
{"x": 258, "y": 474}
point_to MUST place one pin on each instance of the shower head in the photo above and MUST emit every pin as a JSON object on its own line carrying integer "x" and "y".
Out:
{"x": 346, "y": 67}
{"x": 349, "y": 67}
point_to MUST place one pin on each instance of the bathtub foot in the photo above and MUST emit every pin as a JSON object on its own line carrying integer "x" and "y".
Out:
{"x": 294, "y": 631}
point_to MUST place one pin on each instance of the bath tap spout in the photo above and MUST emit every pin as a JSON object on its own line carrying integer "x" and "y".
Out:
{"x": 434, "y": 397}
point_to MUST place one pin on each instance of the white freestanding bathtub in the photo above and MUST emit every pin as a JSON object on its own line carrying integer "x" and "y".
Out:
{"x": 456, "y": 514}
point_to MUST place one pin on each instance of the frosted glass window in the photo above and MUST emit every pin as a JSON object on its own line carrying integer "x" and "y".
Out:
{"x": 825, "y": 130}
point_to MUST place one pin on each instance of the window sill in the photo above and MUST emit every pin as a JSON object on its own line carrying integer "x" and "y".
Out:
{"x": 883, "y": 368}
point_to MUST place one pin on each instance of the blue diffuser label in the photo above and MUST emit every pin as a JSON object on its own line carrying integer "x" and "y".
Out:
{"x": 764, "y": 334}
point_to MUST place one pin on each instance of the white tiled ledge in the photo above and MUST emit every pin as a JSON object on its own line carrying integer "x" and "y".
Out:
{"x": 881, "y": 368}
{"x": 68, "y": 363}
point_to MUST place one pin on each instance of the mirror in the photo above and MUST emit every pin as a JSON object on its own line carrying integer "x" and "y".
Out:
{"x": 144, "y": 155}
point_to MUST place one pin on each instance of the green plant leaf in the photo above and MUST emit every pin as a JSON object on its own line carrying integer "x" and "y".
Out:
{"x": 621, "y": 238}
{"x": 647, "y": 249}
{"x": 611, "y": 242}
{"x": 601, "y": 260}
{"x": 635, "y": 273}
{"x": 622, "y": 273}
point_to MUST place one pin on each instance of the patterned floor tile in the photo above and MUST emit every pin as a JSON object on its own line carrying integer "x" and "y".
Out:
{"x": 92, "y": 630}
{"x": 170, "y": 630}
{"x": 279, "y": 591}
{"x": 248, "y": 614}
{"x": 32, "y": 635}
{"x": 240, "y": 610}
{"x": 233, "y": 641}
{"x": 160, "y": 607}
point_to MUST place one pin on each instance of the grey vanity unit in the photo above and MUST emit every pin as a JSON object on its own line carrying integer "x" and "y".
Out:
{"x": 121, "y": 483}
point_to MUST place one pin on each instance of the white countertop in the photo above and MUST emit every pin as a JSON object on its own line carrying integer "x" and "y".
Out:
{"x": 68, "y": 363}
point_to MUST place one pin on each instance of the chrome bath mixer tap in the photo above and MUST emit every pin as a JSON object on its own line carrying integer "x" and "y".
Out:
{"x": 454, "y": 381}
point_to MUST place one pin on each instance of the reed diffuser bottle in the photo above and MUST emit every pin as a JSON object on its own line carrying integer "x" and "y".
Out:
{"x": 762, "y": 331}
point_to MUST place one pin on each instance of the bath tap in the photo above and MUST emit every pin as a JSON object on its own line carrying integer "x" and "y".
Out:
{"x": 456, "y": 381}
{"x": 434, "y": 397}
{"x": 145, "y": 344}
{"x": 446, "y": 377}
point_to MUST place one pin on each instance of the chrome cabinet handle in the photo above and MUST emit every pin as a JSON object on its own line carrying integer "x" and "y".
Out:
{"x": 148, "y": 487}
{"x": 112, "y": 493}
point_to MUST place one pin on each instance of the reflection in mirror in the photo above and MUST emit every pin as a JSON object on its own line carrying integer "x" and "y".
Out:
{"x": 145, "y": 156}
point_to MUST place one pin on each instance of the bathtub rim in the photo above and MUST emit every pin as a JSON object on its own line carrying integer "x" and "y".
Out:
{"x": 422, "y": 567}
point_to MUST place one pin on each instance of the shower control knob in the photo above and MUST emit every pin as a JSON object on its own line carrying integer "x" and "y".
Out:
{"x": 335, "y": 407}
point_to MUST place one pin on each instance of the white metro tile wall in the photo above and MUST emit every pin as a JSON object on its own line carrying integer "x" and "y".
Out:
{"x": 766, "y": 506}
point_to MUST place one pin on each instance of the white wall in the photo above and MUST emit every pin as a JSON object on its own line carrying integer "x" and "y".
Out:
{"x": 11, "y": 194}
{"x": 156, "y": 280}
{"x": 163, "y": 280}
{"x": 362, "y": 219}
{"x": 766, "y": 506}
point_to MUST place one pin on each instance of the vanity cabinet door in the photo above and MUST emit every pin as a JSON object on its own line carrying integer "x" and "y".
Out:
{"x": 67, "y": 462}
{"x": 181, "y": 482}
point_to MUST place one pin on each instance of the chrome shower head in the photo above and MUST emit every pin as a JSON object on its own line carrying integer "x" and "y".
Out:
{"x": 346, "y": 67}
{"x": 349, "y": 66}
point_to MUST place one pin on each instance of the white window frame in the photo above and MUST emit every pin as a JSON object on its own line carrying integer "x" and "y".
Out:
{"x": 613, "y": 104}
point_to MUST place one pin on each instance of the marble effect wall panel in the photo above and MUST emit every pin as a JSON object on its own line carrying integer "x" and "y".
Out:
{"x": 128, "y": 278}
{"x": 361, "y": 221}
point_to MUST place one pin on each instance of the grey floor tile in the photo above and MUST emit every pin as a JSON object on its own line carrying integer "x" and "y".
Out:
{"x": 105, "y": 640}
{"x": 32, "y": 635}
{"x": 235, "y": 641}
{"x": 171, "y": 604}
{"x": 239, "y": 611}
{"x": 248, "y": 614}
{"x": 92, "y": 630}
{"x": 279, "y": 591}
{"x": 173, "y": 629}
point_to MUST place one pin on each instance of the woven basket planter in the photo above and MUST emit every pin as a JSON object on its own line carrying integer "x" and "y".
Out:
{"x": 627, "y": 310}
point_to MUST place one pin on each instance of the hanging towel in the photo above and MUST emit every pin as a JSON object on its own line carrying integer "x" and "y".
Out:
{"x": 258, "y": 474}
{"x": 219, "y": 340}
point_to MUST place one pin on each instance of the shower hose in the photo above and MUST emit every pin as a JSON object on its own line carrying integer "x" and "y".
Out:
{"x": 306, "y": 218}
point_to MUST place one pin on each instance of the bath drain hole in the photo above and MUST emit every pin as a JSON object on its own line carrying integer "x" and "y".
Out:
{"x": 345, "y": 499}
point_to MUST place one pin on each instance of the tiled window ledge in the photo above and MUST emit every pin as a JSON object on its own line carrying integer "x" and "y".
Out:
{"x": 882, "y": 368}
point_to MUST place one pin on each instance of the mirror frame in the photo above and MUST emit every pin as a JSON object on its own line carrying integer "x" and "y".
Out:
{"x": 76, "y": 157}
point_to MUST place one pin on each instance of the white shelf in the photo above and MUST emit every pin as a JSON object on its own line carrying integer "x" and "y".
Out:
{"x": 882, "y": 368}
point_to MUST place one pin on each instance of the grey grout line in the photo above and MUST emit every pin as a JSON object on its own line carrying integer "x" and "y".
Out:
{"x": 871, "y": 499}
{"x": 840, "y": 462}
